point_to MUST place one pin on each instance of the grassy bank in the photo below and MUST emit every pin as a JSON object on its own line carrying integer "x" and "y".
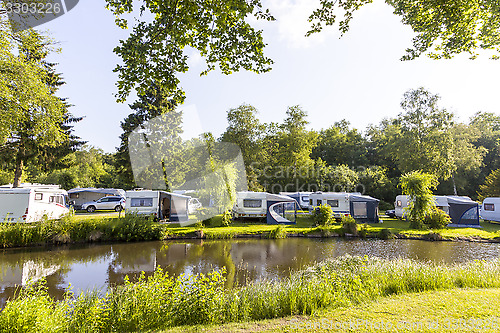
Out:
{"x": 305, "y": 227}
{"x": 454, "y": 310}
{"x": 159, "y": 301}
{"x": 110, "y": 227}
{"x": 74, "y": 229}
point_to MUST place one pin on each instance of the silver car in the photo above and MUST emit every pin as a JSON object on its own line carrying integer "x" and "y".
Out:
{"x": 106, "y": 203}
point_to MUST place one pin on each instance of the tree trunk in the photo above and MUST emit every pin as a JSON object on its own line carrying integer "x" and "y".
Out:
{"x": 19, "y": 167}
{"x": 454, "y": 185}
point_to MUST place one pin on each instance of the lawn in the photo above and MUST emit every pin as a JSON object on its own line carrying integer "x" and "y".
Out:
{"x": 305, "y": 225}
{"x": 455, "y": 310}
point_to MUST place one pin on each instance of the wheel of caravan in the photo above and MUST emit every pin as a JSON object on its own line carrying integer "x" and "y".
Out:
{"x": 90, "y": 209}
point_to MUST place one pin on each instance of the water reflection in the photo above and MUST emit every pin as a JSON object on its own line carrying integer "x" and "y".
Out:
{"x": 100, "y": 266}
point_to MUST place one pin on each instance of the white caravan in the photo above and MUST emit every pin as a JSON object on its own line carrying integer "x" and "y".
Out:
{"x": 441, "y": 201}
{"x": 255, "y": 204}
{"x": 250, "y": 204}
{"x": 338, "y": 201}
{"x": 490, "y": 210}
{"x": 160, "y": 204}
{"x": 32, "y": 202}
{"x": 402, "y": 201}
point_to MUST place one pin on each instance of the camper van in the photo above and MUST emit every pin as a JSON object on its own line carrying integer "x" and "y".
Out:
{"x": 160, "y": 204}
{"x": 338, "y": 201}
{"x": 32, "y": 202}
{"x": 490, "y": 209}
{"x": 302, "y": 198}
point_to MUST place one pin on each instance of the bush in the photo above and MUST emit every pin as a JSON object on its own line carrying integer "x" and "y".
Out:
{"x": 385, "y": 234}
{"x": 349, "y": 225}
{"x": 323, "y": 215}
{"x": 437, "y": 219}
{"x": 363, "y": 231}
{"x": 278, "y": 233}
{"x": 226, "y": 218}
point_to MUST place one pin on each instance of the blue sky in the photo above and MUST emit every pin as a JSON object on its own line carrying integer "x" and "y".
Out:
{"x": 358, "y": 77}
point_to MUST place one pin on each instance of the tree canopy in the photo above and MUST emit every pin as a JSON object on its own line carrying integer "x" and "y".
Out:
{"x": 166, "y": 33}
{"x": 443, "y": 28}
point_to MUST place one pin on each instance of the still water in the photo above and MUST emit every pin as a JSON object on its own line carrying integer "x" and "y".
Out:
{"x": 88, "y": 267}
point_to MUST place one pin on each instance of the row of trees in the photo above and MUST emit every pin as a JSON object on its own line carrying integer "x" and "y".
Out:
{"x": 423, "y": 137}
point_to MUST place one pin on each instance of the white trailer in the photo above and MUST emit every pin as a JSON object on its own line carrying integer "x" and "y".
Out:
{"x": 250, "y": 204}
{"x": 441, "y": 201}
{"x": 338, "y": 201}
{"x": 400, "y": 205}
{"x": 490, "y": 209}
{"x": 160, "y": 204}
{"x": 31, "y": 204}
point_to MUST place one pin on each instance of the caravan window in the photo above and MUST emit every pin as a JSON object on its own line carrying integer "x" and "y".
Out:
{"x": 311, "y": 202}
{"x": 38, "y": 196}
{"x": 141, "y": 202}
{"x": 74, "y": 195}
{"x": 332, "y": 203}
{"x": 252, "y": 203}
{"x": 359, "y": 209}
{"x": 399, "y": 203}
{"x": 490, "y": 207}
{"x": 56, "y": 199}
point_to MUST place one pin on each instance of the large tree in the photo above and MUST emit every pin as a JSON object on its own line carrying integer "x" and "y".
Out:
{"x": 246, "y": 131}
{"x": 33, "y": 122}
{"x": 339, "y": 144}
{"x": 422, "y": 139}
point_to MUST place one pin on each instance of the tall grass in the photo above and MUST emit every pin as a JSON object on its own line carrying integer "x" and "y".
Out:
{"x": 69, "y": 229}
{"x": 161, "y": 301}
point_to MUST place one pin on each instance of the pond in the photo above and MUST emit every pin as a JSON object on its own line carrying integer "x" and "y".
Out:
{"x": 99, "y": 266}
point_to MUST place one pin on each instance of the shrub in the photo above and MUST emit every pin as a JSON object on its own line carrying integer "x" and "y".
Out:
{"x": 437, "y": 219}
{"x": 363, "y": 231}
{"x": 323, "y": 215}
{"x": 226, "y": 218}
{"x": 385, "y": 234}
{"x": 349, "y": 225}
{"x": 278, "y": 233}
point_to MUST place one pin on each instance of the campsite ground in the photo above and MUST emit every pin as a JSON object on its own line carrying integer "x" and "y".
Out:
{"x": 304, "y": 226}
{"x": 455, "y": 310}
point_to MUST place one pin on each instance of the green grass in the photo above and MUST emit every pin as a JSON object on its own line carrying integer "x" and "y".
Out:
{"x": 431, "y": 311}
{"x": 111, "y": 226}
{"x": 159, "y": 302}
{"x": 75, "y": 228}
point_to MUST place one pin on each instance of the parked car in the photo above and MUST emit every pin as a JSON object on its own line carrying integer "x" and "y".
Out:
{"x": 391, "y": 213}
{"x": 193, "y": 205}
{"x": 115, "y": 203}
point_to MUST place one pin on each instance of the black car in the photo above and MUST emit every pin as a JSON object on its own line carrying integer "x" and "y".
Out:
{"x": 391, "y": 213}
